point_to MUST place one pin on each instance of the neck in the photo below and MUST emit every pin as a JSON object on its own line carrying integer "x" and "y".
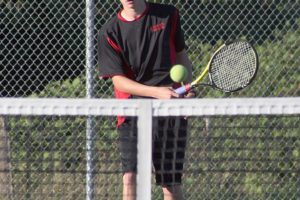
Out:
{"x": 131, "y": 13}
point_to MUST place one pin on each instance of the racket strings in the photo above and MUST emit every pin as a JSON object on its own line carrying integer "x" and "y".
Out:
{"x": 233, "y": 66}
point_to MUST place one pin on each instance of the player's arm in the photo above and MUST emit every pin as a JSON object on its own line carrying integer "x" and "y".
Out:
{"x": 110, "y": 63}
{"x": 127, "y": 85}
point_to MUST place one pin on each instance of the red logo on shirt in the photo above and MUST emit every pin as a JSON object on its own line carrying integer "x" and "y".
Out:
{"x": 157, "y": 27}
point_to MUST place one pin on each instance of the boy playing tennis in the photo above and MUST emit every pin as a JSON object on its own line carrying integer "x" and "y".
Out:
{"x": 137, "y": 49}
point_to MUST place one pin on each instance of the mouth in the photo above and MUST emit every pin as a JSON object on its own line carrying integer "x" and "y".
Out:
{"x": 130, "y": 3}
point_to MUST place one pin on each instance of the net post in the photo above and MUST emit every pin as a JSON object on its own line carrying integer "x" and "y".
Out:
{"x": 90, "y": 24}
{"x": 144, "y": 149}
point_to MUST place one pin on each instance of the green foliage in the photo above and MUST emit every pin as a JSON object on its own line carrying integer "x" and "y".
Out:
{"x": 242, "y": 156}
{"x": 278, "y": 66}
{"x": 58, "y": 144}
{"x": 76, "y": 88}
{"x": 63, "y": 89}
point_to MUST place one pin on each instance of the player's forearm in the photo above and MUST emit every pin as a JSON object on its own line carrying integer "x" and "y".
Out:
{"x": 127, "y": 85}
{"x": 183, "y": 59}
{"x": 132, "y": 87}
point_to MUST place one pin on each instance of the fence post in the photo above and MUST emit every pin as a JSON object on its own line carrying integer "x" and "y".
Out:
{"x": 90, "y": 24}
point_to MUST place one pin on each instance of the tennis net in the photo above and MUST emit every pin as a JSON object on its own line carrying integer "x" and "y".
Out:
{"x": 238, "y": 148}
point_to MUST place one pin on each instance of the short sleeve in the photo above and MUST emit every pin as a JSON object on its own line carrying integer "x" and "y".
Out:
{"x": 109, "y": 57}
{"x": 178, "y": 33}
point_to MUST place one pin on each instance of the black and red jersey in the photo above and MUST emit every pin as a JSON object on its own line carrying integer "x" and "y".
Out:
{"x": 144, "y": 49}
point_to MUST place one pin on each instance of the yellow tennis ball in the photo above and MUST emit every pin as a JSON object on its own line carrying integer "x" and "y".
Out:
{"x": 178, "y": 73}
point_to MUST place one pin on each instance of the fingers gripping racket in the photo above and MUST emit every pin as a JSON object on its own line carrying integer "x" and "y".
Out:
{"x": 232, "y": 67}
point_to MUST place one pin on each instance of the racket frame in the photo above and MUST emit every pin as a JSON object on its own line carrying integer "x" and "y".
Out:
{"x": 207, "y": 69}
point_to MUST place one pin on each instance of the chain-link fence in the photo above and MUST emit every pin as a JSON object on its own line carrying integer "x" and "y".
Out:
{"x": 43, "y": 54}
{"x": 43, "y": 43}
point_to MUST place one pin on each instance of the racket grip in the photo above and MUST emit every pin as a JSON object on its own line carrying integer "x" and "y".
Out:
{"x": 183, "y": 89}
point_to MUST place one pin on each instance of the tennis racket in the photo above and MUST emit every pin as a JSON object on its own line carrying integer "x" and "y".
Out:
{"x": 232, "y": 67}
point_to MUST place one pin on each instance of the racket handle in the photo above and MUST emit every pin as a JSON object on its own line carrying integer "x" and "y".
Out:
{"x": 183, "y": 89}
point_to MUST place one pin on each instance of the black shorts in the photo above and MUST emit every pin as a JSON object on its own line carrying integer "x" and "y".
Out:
{"x": 169, "y": 142}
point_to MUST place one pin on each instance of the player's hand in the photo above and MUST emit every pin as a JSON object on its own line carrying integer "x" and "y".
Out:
{"x": 165, "y": 93}
{"x": 190, "y": 94}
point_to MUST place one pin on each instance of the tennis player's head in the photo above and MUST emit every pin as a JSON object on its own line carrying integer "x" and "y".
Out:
{"x": 133, "y": 4}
